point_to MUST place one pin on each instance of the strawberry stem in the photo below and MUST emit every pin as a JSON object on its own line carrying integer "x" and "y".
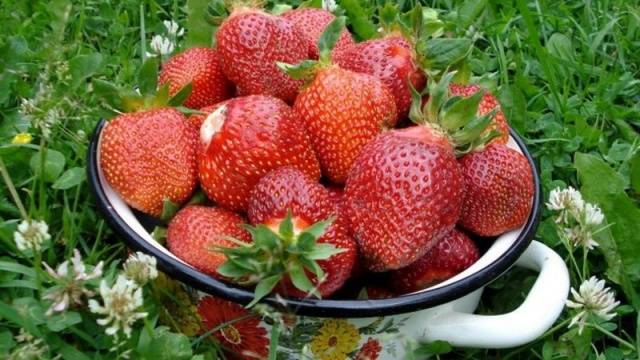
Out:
{"x": 276, "y": 253}
{"x": 455, "y": 116}
{"x": 306, "y": 69}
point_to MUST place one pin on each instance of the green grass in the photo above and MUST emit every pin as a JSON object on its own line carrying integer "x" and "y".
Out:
{"x": 566, "y": 73}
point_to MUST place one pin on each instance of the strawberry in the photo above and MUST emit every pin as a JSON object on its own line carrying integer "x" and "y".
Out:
{"x": 402, "y": 195}
{"x": 243, "y": 140}
{"x": 200, "y": 67}
{"x": 343, "y": 111}
{"x": 195, "y": 231}
{"x": 499, "y": 190}
{"x": 250, "y": 42}
{"x": 390, "y": 59}
{"x": 336, "y": 194}
{"x": 287, "y": 189}
{"x": 148, "y": 157}
{"x": 405, "y": 189}
{"x": 450, "y": 256}
{"x": 486, "y": 106}
{"x": 197, "y": 119}
{"x": 312, "y": 22}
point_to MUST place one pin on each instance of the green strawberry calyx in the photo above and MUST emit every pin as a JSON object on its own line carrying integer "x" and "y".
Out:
{"x": 306, "y": 69}
{"x": 147, "y": 96}
{"x": 276, "y": 253}
{"x": 456, "y": 117}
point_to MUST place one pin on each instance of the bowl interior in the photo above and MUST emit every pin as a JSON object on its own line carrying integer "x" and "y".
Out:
{"x": 493, "y": 262}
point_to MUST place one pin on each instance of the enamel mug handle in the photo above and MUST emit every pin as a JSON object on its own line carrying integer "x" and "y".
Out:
{"x": 537, "y": 313}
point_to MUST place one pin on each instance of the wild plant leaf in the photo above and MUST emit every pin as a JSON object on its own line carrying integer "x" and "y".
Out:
{"x": 198, "y": 31}
{"x": 605, "y": 187}
{"x": 360, "y": 21}
{"x": 166, "y": 345}
{"x": 441, "y": 53}
{"x": 469, "y": 13}
{"x": 70, "y": 178}
{"x": 83, "y": 66}
{"x": 63, "y": 320}
{"x": 50, "y": 166}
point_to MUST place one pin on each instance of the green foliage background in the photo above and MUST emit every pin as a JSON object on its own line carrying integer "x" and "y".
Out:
{"x": 566, "y": 73}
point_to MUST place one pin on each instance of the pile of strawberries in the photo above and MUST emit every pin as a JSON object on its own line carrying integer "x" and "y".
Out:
{"x": 312, "y": 172}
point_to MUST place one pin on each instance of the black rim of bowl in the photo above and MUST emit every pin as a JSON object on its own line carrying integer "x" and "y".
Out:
{"x": 319, "y": 307}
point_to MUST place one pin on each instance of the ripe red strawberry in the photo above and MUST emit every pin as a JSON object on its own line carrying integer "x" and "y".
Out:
{"x": 343, "y": 111}
{"x": 250, "y": 42}
{"x": 195, "y": 231}
{"x": 390, "y": 59}
{"x": 246, "y": 138}
{"x": 287, "y": 189}
{"x": 336, "y": 194}
{"x": 404, "y": 192}
{"x": 149, "y": 156}
{"x": 486, "y": 105}
{"x": 197, "y": 119}
{"x": 312, "y": 22}
{"x": 450, "y": 256}
{"x": 200, "y": 67}
{"x": 499, "y": 190}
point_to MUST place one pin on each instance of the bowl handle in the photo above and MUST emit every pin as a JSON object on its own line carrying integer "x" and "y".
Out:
{"x": 538, "y": 312}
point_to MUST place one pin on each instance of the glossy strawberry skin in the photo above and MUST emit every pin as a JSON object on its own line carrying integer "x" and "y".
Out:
{"x": 250, "y": 42}
{"x": 487, "y": 104}
{"x": 312, "y": 22}
{"x": 258, "y": 134}
{"x": 289, "y": 189}
{"x": 450, "y": 256}
{"x": 499, "y": 190}
{"x": 201, "y": 67}
{"x": 402, "y": 195}
{"x": 196, "y": 230}
{"x": 148, "y": 156}
{"x": 391, "y": 60}
{"x": 342, "y": 111}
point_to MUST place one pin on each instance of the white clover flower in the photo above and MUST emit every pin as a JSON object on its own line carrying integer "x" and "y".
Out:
{"x": 29, "y": 347}
{"x": 592, "y": 215}
{"x": 71, "y": 283}
{"x": 31, "y": 234}
{"x": 141, "y": 268}
{"x": 120, "y": 304}
{"x": 566, "y": 201}
{"x": 580, "y": 236}
{"x": 592, "y": 298}
{"x": 173, "y": 28}
{"x": 161, "y": 46}
{"x": 329, "y": 5}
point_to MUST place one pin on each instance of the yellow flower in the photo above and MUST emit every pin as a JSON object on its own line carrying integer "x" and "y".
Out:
{"x": 22, "y": 138}
{"x": 335, "y": 339}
